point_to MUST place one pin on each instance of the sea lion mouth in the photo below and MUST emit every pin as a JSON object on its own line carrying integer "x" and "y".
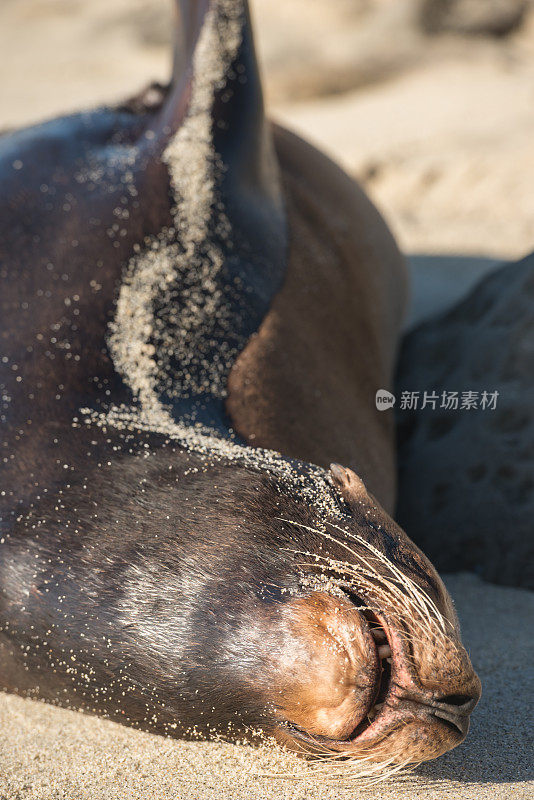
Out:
{"x": 396, "y": 703}
{"x": 385, "y": 660}
{"x": 398, "y": 694}
{"x": 380, "y": 694}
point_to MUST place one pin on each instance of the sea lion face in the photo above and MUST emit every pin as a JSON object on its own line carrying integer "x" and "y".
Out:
{"x": 377, "y": 672}
{"x": 235, "y": 597}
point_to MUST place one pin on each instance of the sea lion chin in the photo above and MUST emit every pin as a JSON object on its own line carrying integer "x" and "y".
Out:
{"x": 156, "y": 567}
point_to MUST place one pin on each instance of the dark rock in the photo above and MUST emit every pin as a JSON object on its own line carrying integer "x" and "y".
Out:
{"x": 466, "y": 492}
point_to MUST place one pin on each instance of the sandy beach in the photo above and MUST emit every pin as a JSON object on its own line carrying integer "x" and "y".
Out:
{"x": 440, "y": 133}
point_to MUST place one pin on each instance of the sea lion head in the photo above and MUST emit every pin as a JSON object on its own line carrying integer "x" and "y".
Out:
{"x": 236, "y": 592}
{"x": 291, "y": 602}
{"x": 376, "y": 671}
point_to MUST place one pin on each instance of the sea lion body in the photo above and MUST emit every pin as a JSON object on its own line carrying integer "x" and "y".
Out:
{"x": 341, "y": 305}
{"x": 178, "y": 288}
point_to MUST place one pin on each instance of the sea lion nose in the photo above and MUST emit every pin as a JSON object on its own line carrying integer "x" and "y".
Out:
{"x": 455, "y": 709}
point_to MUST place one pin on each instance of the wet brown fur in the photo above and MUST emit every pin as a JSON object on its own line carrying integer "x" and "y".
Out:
{"x": 305, "y": 384}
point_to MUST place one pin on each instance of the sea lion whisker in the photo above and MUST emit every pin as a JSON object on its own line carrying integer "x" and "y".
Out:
{"x": 368, "y": 772}
{"x": 335, "y": 766}
{"x": 421, "y": 614}
{"x": 410, "y": 584}
{"x": 418, "y": 594}
{"x": 362, "y": 766}
{"x": 345, "y": 568}
{"x": 369, "y": 585}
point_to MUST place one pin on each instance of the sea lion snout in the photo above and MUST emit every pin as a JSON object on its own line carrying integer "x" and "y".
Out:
{"x": 406, "y": 696}
{"x": 413, "y": 679}
{"x": 327, "y": 680}
{"x": 429, "y": 691}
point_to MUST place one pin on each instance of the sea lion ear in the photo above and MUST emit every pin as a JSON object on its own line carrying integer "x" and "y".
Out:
{"x": 351, "y": 487}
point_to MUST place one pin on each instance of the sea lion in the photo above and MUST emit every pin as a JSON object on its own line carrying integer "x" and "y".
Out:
{"x": 182, "y": 282}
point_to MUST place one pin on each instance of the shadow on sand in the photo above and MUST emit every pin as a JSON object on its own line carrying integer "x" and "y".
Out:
{"x": 441, "y": 281}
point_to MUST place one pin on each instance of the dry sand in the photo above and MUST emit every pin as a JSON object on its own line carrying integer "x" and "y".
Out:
{"x": 445, "y": 151}
{"x": 444, "y": 147}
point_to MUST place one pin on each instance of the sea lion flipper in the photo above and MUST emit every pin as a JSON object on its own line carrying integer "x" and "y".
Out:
{"x": 216, "y": 75}
{"x": 223, "y": 258}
